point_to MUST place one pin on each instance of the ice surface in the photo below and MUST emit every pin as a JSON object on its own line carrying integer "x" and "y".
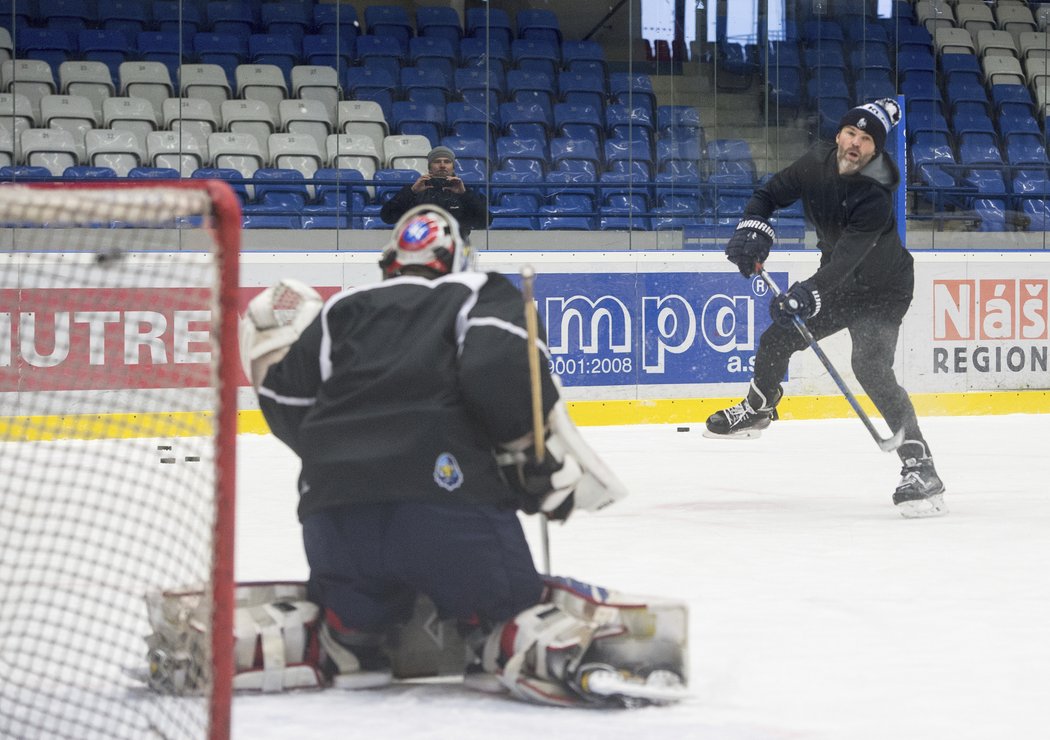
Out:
{"x": 816, "y": 610}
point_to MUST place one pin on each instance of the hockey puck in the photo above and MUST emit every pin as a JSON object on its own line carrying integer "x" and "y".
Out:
{"x": 163, "y": 447}
{"x": 167, "y": 459}
{"x": 192, "y": 458}
{"x": 683, "y": 429}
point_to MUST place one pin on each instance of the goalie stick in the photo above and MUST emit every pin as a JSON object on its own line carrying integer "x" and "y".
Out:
{"x": 528, "y": 275}
{"x": 886, "y": 444}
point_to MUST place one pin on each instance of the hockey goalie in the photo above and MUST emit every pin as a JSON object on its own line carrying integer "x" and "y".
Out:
{"x": 409, "y": 405}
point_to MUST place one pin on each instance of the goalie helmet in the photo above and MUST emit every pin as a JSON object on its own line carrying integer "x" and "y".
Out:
{"x": 426, "y": 236}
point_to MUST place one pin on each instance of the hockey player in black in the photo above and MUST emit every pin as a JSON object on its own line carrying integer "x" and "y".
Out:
{"x": 443, "y": 188}
{"x": 409, "y": 404}
{"x": 864, "y": 284}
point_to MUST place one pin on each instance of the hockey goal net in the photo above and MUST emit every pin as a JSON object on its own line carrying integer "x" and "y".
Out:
{"x": 118, "y": 379}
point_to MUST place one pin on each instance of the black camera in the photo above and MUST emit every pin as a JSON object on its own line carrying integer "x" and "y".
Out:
{"x": 438, "y": 182}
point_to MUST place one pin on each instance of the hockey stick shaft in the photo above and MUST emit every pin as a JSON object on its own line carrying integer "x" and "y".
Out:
{"x": 886, "y": 444}
{"x": 528, "y": 277}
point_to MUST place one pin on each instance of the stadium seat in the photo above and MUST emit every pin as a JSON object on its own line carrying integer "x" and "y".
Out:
{"x": 389, "y": 181}
{"x": 471, "y": 121}
{"x": 1002, "y": 70}
{"x": 1033, "y": 44}
{"x": 536, "y": 56}
{"x": 933, "y": 15}
{"x": 582, "y": 88}
{"x": 632, "y": 89}
{"x": 286, "y": 20}
{"x": 363, "y": 117}
{"x": 475, "y": 52}
{"x": 8, "y": 155}
{"x": 472, "y": 157}
{"x": 575, "y": 155}
{"x": 240, "y": 152}
{"x": 439, "y": 23}
{"x": 523, "y": 120}
{"x": 622, "y": 122}
{"x": 339, "y": 18}
{"x": 234, "y": 17}
{"x": 389, "y": 21}
{"x": 375, "y": 84}
{"x": 585, "y": 56}
{"x": 16, "y": 116}
{"x": 262, "y": 82}
{"x": 91, "y": 80}
{"x": 974, "y": 17}
{"x": 206, "y": 82}
{"x": 996, "y": 43}
{"x": 413, "y": 118}
{"x": 225, "y": 50}
{"x": 127, "y": 16}
{"x": 539, "y": 24}
{"x": 52, "y": 46}
{"x": 175, "y": 16}
{"x": 330, "y": 49}
{"x": 341, "y": 197}
{"x": 251, "y": 117}
{"x": 280, "y": 196}
{"x": 72, "y": 113}
{"x": 425, "y": 85}
{"x": 192, "y": 116}
{"x": 493, "y": 23}
{"x": 354, "y": 152}
{"x": 1015, "y": 19}
{"x": 53, "y": 149}
{"x": 282, "y": 51}
{"x": 183, "y": 153}
{"x": 952, "y": 40}
{"x": 578, "y": 122}
{"x": 378, "y": 52}
{"x": 305, "y": 117}
{"x": 434, "y": 52}
{"x": 320, "y": 83}
{"x": 148, "y": 80}
{"x": 299, "y": 153}
{"x": 121, "y": 151}
{"x": 520, "y": 154}
{"x": 32, "y": 78}
{"x": 111, "y": 48}
{"x": 130, "y": 114}
{"x": 153, "y": 173}
{"x": 406, "y": 152}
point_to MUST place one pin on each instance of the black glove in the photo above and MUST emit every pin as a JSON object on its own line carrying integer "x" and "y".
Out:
{"x": 750, "y": 243}
{"x": 801, "y": 299}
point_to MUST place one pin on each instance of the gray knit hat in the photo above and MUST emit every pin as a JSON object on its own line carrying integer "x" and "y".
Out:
{"x": 440, "y": 151}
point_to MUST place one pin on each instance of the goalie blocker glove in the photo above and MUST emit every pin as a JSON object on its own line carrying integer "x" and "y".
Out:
{"x": 750, "y": 243}
{"x": 571, "y": 476}
{"x": 801, "y": 299}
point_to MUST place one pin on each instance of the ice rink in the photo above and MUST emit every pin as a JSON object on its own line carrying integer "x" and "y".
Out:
{"x": 816, "y": 611}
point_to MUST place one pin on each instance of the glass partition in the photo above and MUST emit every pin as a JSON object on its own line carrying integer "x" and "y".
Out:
{"x": 631, "y": 125}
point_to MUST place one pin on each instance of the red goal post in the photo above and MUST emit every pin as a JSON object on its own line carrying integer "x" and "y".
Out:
{"x": 118, "y": 419}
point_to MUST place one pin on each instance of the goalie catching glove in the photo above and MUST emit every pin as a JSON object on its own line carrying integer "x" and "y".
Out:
{"x": 274, "y": 320}
{"x": 571, "y": 475}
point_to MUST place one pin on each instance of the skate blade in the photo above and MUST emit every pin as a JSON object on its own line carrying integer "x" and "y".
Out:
{"x": 362, "y": 680}
{"x": 923, "y": 508}
{"x": 747, "y": 434}
{"x": 660, "y": 687}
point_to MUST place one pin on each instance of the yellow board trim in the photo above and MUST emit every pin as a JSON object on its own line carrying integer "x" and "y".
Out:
{"x": 584, "y": 413}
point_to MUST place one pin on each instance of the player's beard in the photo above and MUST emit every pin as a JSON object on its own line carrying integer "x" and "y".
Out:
{"x": 849, "y": 166}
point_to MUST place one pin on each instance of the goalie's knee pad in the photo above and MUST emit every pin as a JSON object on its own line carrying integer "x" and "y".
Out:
{"x": 589, "y": 646}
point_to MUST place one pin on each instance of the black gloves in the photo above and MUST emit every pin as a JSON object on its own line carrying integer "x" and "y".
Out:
{"x": 750, "y": 243}
{"x": 801, "y": 299}
{"x": 537, "y": 484}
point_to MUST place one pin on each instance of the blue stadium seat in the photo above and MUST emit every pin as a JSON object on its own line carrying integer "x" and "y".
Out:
{"x": 109, "y": 47}
{"x": 330, "y": 49}
{"x": 523, "y": 184}
{"x": 677, "y": 149}
{"x": 389, "y": 21}
{"x": 341, "y": 197}
{"x": 169, "y": 16}
{"x": 280, "y": 196}
{"x": 332, "y": 18}
{"x": 1025, "y": 150}
{"x": 472, "y": 158}
{"x": 377, "y": 52}
{"x": 785, "y": 89}
{"x": 425, "y": 85}
{"x": 72, "y": 16}
{"x": 491, "y": 22}
{"x": 869, "y": 86}
{"x": 372, "y": 83}
{"x": 1012, "y": 98}
{"x": 282, "y": 50}
{"x": 86, "y": 172}
{"x": 526, "y": 121}
{"x": 578, "y": 121}
{"x": 629, "y": 155}
{"x": 539, "y": 24}
{"x": 913, "y": 38}
{"x": 471, "y": 121}
{"x": 470, "y": 79}
{"x": 232, "y": 177}
{"x": 153, "y": 173}
{"x": 439, "y": 23}
{"x": 520, "y": 154}
{"x": 234, "y": 17}
{"x": 389, "y": 181}
{"x": 414, "y": 118}
{"x": 815, "y": 57}
{"x": 583, "y": 88}
{"x": 475, "y": 52}
{"x": 635, "y": 89}
{"x": 568, "y": 212}
{"x": 585, "y": 56}
{"x": 228, "y": 50}
{"x": 622, "y": 122}
{"x": 532, "y": 88}
{"x": 575, "y": 155}
{"x": 286, "y": 20}
{"x": 434, "y": 52}
{"x": 53, "y": 46}
{"x": 536, "y": 56}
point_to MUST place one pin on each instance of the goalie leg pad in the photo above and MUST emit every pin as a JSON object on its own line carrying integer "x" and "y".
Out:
{"x": 587, "y": 646}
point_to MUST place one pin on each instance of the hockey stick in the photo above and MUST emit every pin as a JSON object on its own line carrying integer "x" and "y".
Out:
{"x": 886, "y": 444}
{"x": 528, "y": 275}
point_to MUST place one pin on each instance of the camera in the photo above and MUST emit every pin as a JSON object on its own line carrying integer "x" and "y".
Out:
{"x": 438, "y": 182}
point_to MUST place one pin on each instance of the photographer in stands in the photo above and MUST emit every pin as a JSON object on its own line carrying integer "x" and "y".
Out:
{"x": 440, "y": 187}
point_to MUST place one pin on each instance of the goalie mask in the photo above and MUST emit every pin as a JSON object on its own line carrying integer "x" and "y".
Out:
{"x": 427, "y": 237}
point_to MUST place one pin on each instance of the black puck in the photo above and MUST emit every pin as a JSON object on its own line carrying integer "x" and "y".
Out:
{"x": 683, "y": 429}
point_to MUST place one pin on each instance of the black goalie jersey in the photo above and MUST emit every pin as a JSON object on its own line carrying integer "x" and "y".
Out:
{"x": 400, "y": 391}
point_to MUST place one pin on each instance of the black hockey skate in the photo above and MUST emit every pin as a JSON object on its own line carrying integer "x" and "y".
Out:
{"x": 747, "y": 419}
{"x": 920, "y": 492}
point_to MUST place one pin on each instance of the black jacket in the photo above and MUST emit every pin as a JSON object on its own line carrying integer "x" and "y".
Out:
{"x": 854, "y": 217}
{"x": 400, "y": 391}
{"x": 470, "y": 209}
